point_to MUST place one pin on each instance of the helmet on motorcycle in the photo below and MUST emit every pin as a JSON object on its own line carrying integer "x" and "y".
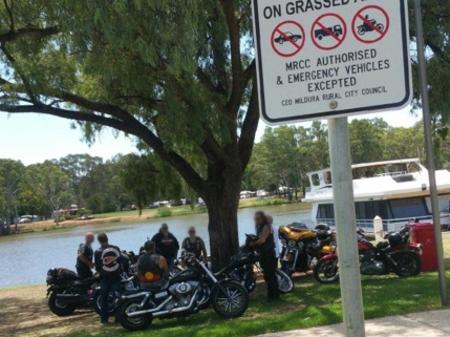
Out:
{"x": 395, "y": 239}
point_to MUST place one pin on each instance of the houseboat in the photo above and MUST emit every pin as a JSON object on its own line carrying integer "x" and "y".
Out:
{"x": 397, "y": 191}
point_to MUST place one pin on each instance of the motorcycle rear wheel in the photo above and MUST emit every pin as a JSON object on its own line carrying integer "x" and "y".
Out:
{"x": 408, "y": 263}
{"x": 285, "y": 283}
{"x": 132, "y": 323}
{"x": 326, "y": 271}
{"x": 230, "y": 300}
{"x": 59, "y": 308}
{"x": 98, "y": 303}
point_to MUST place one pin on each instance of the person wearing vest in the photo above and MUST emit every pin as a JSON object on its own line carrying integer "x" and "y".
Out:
{"x": 152, "y": 267}
{"x": 265, "y": 246}
{"x": 108, "y": 263}
{"x": 195, "y": 245}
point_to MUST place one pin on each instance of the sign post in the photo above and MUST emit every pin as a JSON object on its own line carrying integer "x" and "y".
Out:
{"x": 330, "y": 59}
{"x": 430, "y": 156}
{"x": 344, "y": 213}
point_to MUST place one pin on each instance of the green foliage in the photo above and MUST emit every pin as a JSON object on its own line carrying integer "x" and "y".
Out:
{"x": 286, "y": 154}
{"x": 44, "y": 188}
{"x": 366, "y": 139}
{"x": 10, "y": 175}
{"x": 164, "y": 212}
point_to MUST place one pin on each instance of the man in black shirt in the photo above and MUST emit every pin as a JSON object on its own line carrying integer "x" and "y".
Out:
{"x": 195, "y": 245}
{"x": 265, "y": 246}
{"x": 108, "y": 263}
{"x": 166, "y": 244}
{"x": 85, "y": 256}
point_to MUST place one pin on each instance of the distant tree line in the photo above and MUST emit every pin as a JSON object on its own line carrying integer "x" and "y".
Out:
{"x": 283, "y": 157}
{"x": 285, "y": 154}
{"x": 89, "y": 182}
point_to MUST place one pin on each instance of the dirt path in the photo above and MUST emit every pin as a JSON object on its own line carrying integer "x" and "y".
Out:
{"x": 24, "y": 313}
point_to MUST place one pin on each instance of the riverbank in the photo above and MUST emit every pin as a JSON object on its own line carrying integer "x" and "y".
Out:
{"x": 130, "y": 217}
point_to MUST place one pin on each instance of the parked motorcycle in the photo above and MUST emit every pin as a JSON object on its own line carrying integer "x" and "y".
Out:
{"x": 369, "y": 26}
{"x": 302, "y": 246}
{"x": 66, "y": 292}
{"x": 244, "y": 267}
{"x": 185, "y": 293}
{"x": 396, "y": 255}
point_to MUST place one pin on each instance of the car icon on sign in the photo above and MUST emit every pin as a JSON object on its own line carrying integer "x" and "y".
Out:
{"x": 287, "y": 36}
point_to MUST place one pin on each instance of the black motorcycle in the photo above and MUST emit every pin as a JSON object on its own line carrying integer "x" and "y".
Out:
{"x": 66, "y": 292}
{"x": 244, "y": 267}
{"x": 185, "y": 293}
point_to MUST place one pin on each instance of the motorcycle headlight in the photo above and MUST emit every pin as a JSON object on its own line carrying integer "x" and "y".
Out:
{"x": 292, "y": 243}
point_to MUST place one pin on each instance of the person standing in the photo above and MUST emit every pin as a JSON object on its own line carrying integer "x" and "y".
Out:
{"x": 85, "y": 257}
{"x": 166, "y": 244}
{"x": 195, "y": 245}
{"x": 266, "y": 248}
{"x": 152, "y": 268}
{"x": 108, "y": 263}
{"x": 276, "y": 240}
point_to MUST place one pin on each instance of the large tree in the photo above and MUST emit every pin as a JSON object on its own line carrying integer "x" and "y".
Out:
{"x": 177, "y": 75}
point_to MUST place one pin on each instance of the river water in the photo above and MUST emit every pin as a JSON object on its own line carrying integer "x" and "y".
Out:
{"x": 26, "y": 258}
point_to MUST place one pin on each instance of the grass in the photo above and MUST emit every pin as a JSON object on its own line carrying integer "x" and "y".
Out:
{"x": 310, "y": 304}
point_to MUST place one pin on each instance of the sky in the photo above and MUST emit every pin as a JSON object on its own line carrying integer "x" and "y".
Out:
{"x": 33, "y": 138}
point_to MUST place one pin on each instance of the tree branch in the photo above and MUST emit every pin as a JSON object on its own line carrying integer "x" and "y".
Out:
{"x": 137, "y": 129}
{"x": 28, "y": 31}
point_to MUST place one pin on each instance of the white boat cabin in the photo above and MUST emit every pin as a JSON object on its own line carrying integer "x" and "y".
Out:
{"x": 397, "y": 191}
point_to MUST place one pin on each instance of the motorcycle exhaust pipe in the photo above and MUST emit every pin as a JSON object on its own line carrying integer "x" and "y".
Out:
{"x": 71, "y": 298}
{"x": 155, "y": 312}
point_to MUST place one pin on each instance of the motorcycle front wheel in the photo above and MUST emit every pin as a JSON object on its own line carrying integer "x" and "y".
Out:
{"x": 230, "y": 299}
{"x": 285, "y": 283}
{"x": 326, "y": 271}
{"x": 408, "y": 264}
{"x": 132, "y": 323}
{"x": 58, "y": 307}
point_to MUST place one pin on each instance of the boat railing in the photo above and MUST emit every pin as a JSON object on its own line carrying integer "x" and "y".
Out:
{"x": 392, "y": 174}
{"x": 389, "y": 224}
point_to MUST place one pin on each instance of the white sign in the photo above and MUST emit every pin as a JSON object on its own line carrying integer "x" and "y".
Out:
{"x": 323, "y": 58}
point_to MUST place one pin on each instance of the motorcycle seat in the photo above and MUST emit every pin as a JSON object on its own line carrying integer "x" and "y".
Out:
{"x": 153, "y": 286}
{"x": 298, "y": 230}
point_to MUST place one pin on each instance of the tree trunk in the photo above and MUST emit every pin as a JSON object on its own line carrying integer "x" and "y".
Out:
{"x": 222, "y": 202}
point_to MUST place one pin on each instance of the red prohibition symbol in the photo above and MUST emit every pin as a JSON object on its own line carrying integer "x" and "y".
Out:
{"x": 288, "y": 38}
{"x": 370, "y": 24}
{"x": 328, "y": 31}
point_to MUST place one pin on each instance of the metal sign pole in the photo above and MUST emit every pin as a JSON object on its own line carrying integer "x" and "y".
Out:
{"x": 344, "y": 211}
{"x": 429, "y": 151}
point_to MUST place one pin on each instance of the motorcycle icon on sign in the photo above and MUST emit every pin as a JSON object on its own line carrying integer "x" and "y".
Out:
{"x": 370, "y": 25}
{"x": 287, "y": 36}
